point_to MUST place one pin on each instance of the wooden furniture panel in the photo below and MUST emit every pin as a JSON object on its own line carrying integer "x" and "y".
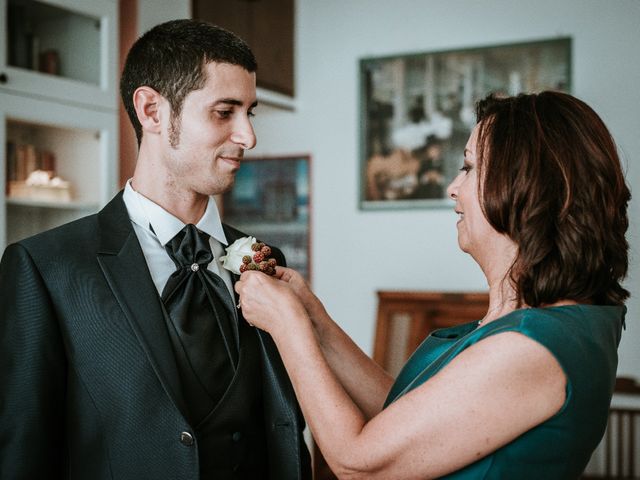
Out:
{"x": 268, "y": 28}
{"x": 406, "y": 318}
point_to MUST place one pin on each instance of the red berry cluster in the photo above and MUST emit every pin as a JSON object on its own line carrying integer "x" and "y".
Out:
{"x": 260, "y": 260}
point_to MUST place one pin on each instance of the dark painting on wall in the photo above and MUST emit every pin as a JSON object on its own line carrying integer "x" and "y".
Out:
{"x": 270, "y": 201}
{"x": 418, "y": 110}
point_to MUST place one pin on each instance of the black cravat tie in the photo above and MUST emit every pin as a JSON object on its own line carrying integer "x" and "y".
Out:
{"x": 203, "y": 314}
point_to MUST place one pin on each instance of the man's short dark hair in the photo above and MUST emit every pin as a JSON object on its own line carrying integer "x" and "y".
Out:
{"x": 171, "y": 58}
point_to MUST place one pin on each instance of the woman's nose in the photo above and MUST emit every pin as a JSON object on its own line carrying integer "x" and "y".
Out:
{"x": 452, "y": 189}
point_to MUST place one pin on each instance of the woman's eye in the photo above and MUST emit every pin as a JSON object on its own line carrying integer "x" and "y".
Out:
{"x": 223, "y": 113}
{"x": 465, "y": 168}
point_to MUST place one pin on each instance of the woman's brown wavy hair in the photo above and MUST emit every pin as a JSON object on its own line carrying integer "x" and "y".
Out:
{"x": 552, "y": 181}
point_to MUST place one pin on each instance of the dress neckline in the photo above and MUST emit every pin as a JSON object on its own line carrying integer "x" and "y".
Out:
{"x": 458, "y": 331}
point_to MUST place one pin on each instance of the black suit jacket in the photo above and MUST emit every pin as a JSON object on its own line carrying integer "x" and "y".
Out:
{"x": 88, "y": 382}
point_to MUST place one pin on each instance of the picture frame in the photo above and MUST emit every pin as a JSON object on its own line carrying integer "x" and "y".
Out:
{"x": 417, "y": 111}
{"x": 271, "y": 200}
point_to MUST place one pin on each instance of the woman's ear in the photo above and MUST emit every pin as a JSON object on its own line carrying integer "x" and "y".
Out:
{"x": 147, "y": 102}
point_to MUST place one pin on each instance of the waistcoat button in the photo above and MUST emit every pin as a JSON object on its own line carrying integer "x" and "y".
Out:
{"x": 186, "y": 439}
{"x": 236, "y": 436}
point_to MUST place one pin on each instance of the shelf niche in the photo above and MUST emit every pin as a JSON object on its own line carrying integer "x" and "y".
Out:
{"x": 76, "y": 153}
{"x": 53, "y": 40}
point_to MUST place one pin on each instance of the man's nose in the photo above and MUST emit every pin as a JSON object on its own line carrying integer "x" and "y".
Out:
{"x": 244, "y": 135}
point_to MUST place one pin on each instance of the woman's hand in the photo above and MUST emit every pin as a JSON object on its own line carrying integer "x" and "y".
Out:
{"x": 299, "y": 286}
{"x": 271, "y": 304}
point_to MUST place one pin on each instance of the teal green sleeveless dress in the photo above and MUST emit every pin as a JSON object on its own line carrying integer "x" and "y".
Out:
{"x": 584, "y": 339}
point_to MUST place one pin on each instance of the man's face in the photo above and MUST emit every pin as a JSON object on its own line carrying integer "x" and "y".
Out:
{"x": 203, "y": 147}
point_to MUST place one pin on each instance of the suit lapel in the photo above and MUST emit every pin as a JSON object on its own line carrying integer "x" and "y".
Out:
{"x": 127, "y": 274}
{"x": 232, "y": 235}
{"x": 280, "y": 405}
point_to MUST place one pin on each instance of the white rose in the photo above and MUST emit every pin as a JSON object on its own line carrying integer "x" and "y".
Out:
{"x": 238, "y": 249}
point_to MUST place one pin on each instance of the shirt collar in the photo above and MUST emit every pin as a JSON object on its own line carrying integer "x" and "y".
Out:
{"x": 155, "y": 219}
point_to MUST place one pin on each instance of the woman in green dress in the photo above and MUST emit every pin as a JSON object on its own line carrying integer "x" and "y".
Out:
{"x": 523, "y": 392}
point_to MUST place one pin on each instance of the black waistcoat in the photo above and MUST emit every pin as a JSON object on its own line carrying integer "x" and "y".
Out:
{"x": 231, "y": 439}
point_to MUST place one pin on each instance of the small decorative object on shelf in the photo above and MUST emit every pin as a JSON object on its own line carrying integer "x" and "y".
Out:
{"x": 23, "y": 159}
{"x": 50, "y": 62}
{"x": 41, "y": 185}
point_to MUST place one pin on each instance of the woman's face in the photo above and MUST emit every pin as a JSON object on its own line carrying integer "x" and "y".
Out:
{"x": 475, "y": 234}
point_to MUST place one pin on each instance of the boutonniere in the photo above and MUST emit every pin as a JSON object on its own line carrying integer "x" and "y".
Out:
{"x": 247, "y": 253}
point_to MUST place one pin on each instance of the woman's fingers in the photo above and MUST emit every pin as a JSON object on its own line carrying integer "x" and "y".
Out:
{"x": 261, "y": 298}
{"x": 266, "y": 302}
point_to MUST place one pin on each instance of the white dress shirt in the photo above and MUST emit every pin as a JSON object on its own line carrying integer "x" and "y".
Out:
{"x": 155, "y": 227}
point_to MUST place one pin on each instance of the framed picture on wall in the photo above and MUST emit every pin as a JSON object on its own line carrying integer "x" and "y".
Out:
{"x": 417, "y": 111}
{"x": 271, "y": 201}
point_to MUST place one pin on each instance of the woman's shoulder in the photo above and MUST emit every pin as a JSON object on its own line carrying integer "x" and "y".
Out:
{"x": 581, "y": 337}
{"x": 573, "y": 317}
{"x": 567, "y": 331}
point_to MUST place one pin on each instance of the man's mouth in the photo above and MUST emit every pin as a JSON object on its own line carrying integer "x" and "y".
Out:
{"x": 231, "y": 160}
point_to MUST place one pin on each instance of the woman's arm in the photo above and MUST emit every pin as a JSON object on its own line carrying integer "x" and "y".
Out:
{"x": 363, "y": 379}
{"x": 487, "y": 396}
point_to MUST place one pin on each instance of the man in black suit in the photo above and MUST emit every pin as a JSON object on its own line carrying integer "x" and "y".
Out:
{"x": 97, "y": 377}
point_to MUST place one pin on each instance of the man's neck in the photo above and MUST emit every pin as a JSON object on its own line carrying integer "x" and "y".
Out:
{"x": 188, "y": 207}
{"x": 151, "y": 180}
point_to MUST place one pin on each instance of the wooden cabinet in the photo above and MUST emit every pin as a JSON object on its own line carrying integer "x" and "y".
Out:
{"x": 267, "y": 26}
{"x": 58, "y": 112}
{"x": 406, "y": 318}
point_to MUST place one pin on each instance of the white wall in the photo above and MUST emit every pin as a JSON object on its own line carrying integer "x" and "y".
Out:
{"x": 358, "y": 252}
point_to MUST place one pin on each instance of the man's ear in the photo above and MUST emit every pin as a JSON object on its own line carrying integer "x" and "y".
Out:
{"x": 147, "y": 103}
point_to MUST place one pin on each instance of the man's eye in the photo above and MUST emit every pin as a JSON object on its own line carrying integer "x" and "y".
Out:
{"x": 224, "y": 113}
